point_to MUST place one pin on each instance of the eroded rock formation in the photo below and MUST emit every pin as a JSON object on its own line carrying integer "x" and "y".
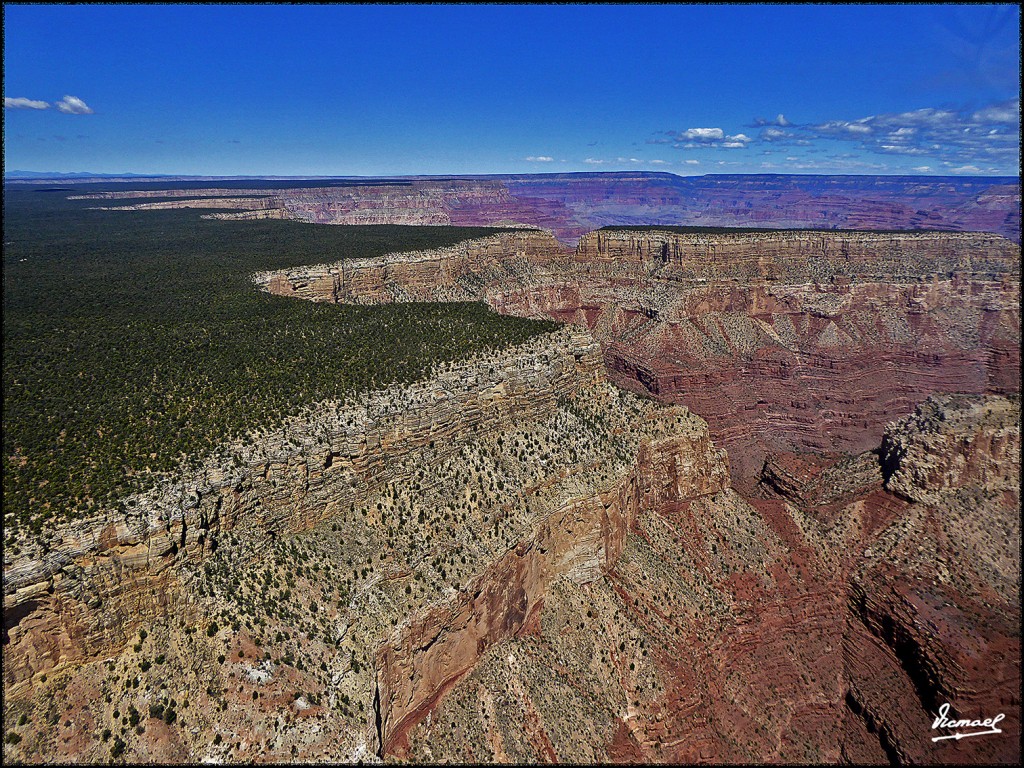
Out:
{"x": 515, "y": 560}
{"x": 571, "y": 204}
{"x": 778, "y": 338}
{"x": 70, "y": 590}
{"x": 429, "y": 494}
{"x": 934, "y": 600}
{"x": 824, "y": 623}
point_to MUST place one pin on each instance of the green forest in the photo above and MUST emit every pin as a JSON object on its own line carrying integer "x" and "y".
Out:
{"x": 134, "y": 342}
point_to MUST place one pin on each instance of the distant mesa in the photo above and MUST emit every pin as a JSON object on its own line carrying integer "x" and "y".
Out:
{"x": 572, "y": 204}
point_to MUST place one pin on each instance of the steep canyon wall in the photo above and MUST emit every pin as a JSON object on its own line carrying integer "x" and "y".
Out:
{"x": 88, "y": 584}
{"x": 515, "y": 560}
{"x": 778, "y": 338}
{"x": 381, "y": 483}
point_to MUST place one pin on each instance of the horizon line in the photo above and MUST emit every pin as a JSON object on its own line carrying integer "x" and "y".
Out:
{"x": 28, "y": 175}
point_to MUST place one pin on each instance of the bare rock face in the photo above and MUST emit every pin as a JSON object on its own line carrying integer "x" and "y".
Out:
{"x": 514, "y": 560}
{"x": 828, "y": 621}
{"x": 465, "y": 271}
{"x": 779, "y": 338}
{"x": 854, "y": 608}
{"x": 954, "y": 442}
{"x": 579, "y": 543}
{"x": 934, "y": 601}
{"x": 295, "y": 578}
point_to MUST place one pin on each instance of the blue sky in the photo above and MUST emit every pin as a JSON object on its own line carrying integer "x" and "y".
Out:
{"x": 376, "y": 90}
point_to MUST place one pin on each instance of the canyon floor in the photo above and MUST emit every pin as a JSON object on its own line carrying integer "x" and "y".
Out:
{"x": 757, "y": 500}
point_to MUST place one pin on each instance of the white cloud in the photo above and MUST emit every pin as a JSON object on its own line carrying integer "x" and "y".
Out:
{"x": 72, "y": 105}
{"x": 21, "y": 102}
{"x": 692, "y": 162}
{"x": 967, "y": 169}
{"x": 658, "y": 162}
{"x": 592, "y": 161}
{"x": 776, "y": 134}
{"x": 982, "y": 138}
{"x": 967, "y": 139}
{"x": 780, "y": 120}
{"x": 697, "y": 138}
{"x": 840, "y": 127}
{"x": 998, "y": 113}
{"x": 922, "y": 168}
{"x": 540, "y": 159}
{"x": 701, "y": 134}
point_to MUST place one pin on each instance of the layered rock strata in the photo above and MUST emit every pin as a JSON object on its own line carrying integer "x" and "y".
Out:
{"x": 824, "y": 623}
{"x": 516, "y": 561}
{"x": 934, "y": 600}
{"x": 579, "y": 542}
{"x": 571, "y": 204}
{"x": 421, "y": 502}
{"x": 76, "y": 586}
{"x": 468, "y": 271}
{"x": 778, "y": 338}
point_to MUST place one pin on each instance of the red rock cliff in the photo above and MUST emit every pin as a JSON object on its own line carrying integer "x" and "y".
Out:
{"x": 778, "y": 338}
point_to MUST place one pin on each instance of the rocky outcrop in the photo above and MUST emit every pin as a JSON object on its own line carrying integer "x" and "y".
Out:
{"x": 789, "y": 332}
{"x": 242, "y": 203}
{"x": 827, "y": 630}
{"x": 253, "y": 215}
{"x": 467, "y": 271}
{"x": 421, "y": 506}
{"x": 85, "y": 587}
{"x": 934, "y": 600}
{"x": 850, "y": 568}
{"x": 951, "y": 443}
{"x": 580, "y": 542}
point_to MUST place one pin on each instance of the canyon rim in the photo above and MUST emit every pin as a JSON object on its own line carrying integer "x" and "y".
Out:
{"x": 777, "y": 468}
{"x": 511, "y": 384}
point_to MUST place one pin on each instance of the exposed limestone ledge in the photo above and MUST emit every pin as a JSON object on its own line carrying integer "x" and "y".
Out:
{"x": 668, "y": 276}
{"x": 87, "y": 584}
{"x": 786, "y": 327}
{"x": 269, "y": 213}
{"x": 242, "y": 203}
{"x": 462, "y": 272}
{"x": 802, "y": 254}
{"x": 953, "y": 441}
